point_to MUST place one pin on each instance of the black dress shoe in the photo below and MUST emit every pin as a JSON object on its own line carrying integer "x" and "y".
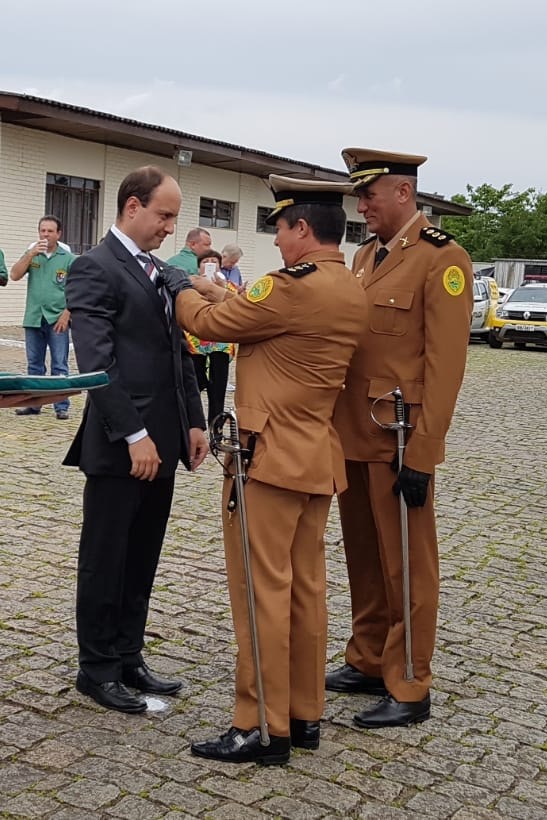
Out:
{"x": 27, "y": 411}
{"x": 111, "y": 694}
{"x": 391, "y": 712}
{"x": 305, "y": 733}
{"x": 348, "y": 679}
{"x": 142, "y": 678}
{"x": 239, "y": 746}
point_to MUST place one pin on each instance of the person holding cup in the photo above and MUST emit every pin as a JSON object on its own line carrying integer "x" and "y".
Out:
{"x": 46, "y": 319}
{"x": 212, "y": 359}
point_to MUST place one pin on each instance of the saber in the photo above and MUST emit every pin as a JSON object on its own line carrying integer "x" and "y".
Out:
{"x": 400, "y": 425}
{"x": 241, "y": 458}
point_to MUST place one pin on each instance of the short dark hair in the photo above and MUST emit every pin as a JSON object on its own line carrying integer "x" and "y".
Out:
{"x": 208, "y": 254}
{"x": 142, "y": 182}
{"x": 195, "y": 233}
{"x": 51, "y": 218}
{"x": 328, "y": 222}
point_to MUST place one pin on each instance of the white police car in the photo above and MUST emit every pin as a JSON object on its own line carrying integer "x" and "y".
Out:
{"x": 522, "y": 318}
{"x": 485, "y": 302}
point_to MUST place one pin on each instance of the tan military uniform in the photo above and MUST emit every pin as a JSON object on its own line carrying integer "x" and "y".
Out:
{"x": 420, "y": 299}
{"x": 297, "y": 334}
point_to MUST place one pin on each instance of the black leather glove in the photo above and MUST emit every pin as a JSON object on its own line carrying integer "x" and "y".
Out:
{"x": 413, "y": 485}
{"x": 173, "y": 279}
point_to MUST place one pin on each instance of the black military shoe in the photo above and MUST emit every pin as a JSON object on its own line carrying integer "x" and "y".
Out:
{"x": 142, "y": 678}
{"x": 391, "y": 712}
{"x": 305, "y": 733}
{"x": 112, "y": 694}
{"x": 348, "y": 679}
{"x": 27, "y": 411}
{"x": 239, "y": 746}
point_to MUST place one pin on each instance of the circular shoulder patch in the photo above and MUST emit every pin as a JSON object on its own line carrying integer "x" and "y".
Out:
{"x": 261, "y": 289}
{"x": 454, "y": 280}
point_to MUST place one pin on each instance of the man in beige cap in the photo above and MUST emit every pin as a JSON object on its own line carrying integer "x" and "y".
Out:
{"x": 297, "y": 328}
{"x": 419, "y": 285}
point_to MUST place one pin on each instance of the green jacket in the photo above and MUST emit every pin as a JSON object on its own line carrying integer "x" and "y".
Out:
{"x": 185, "y": 259}
{"x": 46, "y": 287}
{"x": 3, "y": 269}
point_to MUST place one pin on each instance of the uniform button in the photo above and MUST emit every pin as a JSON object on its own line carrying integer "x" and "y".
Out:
{"x": 392, "y": 301}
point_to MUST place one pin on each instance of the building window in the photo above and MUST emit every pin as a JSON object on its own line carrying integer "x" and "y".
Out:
{"x": 215, "y": 213}
{"x": 355, "y": 232}
{"x": 261, "y": 226}
{"x": 75, "y": 201}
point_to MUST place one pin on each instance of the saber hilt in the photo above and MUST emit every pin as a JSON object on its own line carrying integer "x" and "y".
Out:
{"x": 220, "y": 443}
{"x": 400, "y": 411}
{"x": 234, "y": 430}
{"x": 399, "y": 407}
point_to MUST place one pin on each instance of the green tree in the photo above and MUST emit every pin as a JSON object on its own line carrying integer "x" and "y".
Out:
{"x": 504, "y": 223}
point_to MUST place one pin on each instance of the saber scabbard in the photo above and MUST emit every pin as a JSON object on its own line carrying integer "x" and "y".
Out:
{"x": 400, "y": 425}
{"x": 231, "y": 444}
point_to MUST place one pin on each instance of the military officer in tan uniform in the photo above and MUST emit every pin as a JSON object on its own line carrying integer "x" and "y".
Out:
{"x": 419, "y": 285}
{"x": 297, "y": 329}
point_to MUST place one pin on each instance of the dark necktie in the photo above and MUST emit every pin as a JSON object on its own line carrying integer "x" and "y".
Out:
{"x": 150, "y": 269}
{"x": 381, "y": 254}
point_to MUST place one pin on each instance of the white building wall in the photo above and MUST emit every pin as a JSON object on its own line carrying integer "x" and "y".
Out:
{"x": 350, "y": 207}
{"x": 63, "y": 155}
{"x": 119, "y": 162}
{"x": 26, "y": 156}
{"x": 23, "y": 186}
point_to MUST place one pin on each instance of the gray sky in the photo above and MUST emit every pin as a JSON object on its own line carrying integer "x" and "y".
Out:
{"x": 462, "y": 82}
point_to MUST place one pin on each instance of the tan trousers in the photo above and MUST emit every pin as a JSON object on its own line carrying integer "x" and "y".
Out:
{"x": 372, "y": 538}
{"x": 288, "y": 564}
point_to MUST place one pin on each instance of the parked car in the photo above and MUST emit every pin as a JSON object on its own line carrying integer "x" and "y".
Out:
{"x": 522, "y": 318}
{"x": 504, "y": 293}
{"x": 485, "y": 302}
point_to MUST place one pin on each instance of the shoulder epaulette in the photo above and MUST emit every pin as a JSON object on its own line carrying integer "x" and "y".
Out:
{"x": 436, "y": 236}
{"x": 372, "y": 238}
{"x": 299, "y": 270}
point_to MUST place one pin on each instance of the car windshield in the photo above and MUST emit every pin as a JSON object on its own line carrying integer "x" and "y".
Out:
{"x": 528, "y": 294}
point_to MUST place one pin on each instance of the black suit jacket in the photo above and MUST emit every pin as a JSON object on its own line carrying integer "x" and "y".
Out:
{"x": 119, "y": 325}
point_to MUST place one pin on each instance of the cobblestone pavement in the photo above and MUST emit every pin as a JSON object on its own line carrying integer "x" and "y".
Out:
{"x": 482, "y": 755}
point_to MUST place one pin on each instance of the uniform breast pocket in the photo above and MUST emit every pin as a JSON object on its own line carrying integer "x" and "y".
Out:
{"x": 390, "y": 311}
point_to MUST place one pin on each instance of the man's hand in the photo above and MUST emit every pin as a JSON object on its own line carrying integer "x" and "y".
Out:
{"x": 145, "y": 460}
{"x": 62, "y": 322}
{"x": 413, "y": 484}
{"x": 209, "y": 290}
{"x": 199, "y": 447}
{"x": 21, "y": 399}
{"x": 174, "y": 279}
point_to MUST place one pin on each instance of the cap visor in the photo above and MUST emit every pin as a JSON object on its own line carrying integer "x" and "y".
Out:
{"x": 272, "y": 216}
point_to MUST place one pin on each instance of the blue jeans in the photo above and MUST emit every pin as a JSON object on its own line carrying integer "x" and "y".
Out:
{"x": 37, "y": 340}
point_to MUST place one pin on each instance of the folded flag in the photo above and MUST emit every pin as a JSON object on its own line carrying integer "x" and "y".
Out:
{"x": 15, "y": 383}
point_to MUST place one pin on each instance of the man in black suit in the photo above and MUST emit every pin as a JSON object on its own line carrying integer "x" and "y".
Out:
{"x": 131, "y": 438}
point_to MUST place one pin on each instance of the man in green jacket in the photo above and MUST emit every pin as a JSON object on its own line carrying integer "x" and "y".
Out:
{"x": 46, "y": 319}
{"x": 198, "y": 241}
